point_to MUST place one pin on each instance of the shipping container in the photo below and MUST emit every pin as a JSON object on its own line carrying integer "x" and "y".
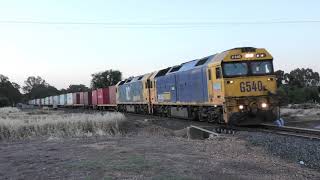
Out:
{"x": 30, "y": 102}
{"x": 56, "y": 100}
{"x": 62, "y": 100}
{"x": 103, "y": 96}
{"x": 76, "y": 98}
{"x": 38, "y": 102}
{"x": 81, "y": 101}
{"x": 87, "y": 98}
{"x": 112, "y": 95}
{"x": 46, "y": 101}
{"x": 69, "y": 99}
{"x": 94, "y": 98}
{"x": 51, "y": 100}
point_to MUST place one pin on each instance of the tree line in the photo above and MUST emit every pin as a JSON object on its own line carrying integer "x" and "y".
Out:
{"x": 36, "y": 87}
{"x": 298, "y": 86}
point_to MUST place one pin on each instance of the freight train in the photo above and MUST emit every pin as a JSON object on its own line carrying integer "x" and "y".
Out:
{"x": 236, "y": 87}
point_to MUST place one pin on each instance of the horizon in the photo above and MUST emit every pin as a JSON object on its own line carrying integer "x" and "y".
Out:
{"x": 66, "y": 42}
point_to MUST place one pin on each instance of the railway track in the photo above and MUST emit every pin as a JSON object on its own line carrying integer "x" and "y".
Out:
{"x": 291, "y": 131}
{"x": 267, "y": 128}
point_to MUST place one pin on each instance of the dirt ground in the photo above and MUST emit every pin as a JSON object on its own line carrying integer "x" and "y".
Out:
{"x": 148, "y": 151}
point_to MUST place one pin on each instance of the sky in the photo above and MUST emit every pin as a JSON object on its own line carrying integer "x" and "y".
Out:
{"x": 55, "y": 40}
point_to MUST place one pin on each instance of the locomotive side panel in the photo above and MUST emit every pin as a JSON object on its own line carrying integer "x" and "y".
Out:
{"x": 192, "y": 86}
{"x": 166, "y": 88}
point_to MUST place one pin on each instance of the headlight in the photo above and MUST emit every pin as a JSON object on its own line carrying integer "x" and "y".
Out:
{"x": 249, "y": 55}
{"x": 264, "y": 105}
{"x": 241, "y": 107}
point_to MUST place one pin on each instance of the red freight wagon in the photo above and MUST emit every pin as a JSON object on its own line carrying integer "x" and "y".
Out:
{"x": 103, "y": 96}
{"x": 81, "y": 101}
{"x": 94, "y": 98}
{"x": 76, "y": 98}
{"x": 112, "y": 94}
{"x": 87, "y": 98}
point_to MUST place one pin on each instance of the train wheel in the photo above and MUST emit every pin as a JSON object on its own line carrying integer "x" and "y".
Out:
{"x": 200, "y": 117}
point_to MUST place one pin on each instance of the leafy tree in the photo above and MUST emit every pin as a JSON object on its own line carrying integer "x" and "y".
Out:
{"x": 106, "y": 78}
{"x": 63, "y": 91}
{"x": 36, "y": 87}
{"x": 280, "y": 77}
{"x": 303, "y": 78}
{"x": 4, "y": 101}
{"x": 15, "y": 85}
{"x": 9, "y": 92}
{"x": 76, "y": 88}
{"x": 283, "y": 94}
{"x": 312, "y": 94}
{"x": 33, "y": 82}
{"x": 298, "y": 86}
{"x": 296, "y": 95}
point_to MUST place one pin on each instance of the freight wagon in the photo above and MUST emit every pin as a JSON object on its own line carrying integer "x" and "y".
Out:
{"x": 76, "y": 99}
{"x": 62, "y": 100}
{"x": 69, "y": 99}
{"x": 56, "y": 101}
{"x": 87, "y": 99}
{"x": 106, "y": 98}
{"x": 94, "y": 98}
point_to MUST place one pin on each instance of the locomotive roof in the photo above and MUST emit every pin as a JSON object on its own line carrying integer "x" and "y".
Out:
{"x": 198, "y": 63}
{"x": 240, "y": 55}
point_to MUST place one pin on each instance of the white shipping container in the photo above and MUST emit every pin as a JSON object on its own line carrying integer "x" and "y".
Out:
{"x": 56, "y": 100}
{"x": 69, "y": 99}
{"x": 51, "y": 100}
{"x": 62, "y": 99}
{"x": 46, "y": 101}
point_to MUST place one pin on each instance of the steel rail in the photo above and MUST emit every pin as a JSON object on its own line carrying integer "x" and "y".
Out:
{"x": 291, "y": 131}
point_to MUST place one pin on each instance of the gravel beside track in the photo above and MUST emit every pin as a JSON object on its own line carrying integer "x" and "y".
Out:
{"x": 291, "y": 148}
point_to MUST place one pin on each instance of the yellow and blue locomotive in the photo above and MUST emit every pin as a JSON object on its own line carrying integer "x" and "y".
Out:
{"x": 237, "y": 86}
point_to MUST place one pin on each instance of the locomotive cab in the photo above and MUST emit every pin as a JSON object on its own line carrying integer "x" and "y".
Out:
{"x": 244, "y": 83}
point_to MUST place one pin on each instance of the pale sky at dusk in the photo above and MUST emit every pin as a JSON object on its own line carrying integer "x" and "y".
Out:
{"x": 66, "y": 54}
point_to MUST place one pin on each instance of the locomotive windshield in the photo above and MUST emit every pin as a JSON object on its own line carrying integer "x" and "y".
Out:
{"x": 261, "y": 67}
{"x": 247, "y": 68}
{"x": 235, "y": 69}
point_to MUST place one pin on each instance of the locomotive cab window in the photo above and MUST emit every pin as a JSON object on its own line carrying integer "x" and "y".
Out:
{"x": 209, "y": 74}
{"x": 261, "y": 67}
{"x": 218, "y": 73}
{"x": 149, "y": 84}
{"x": 235, "y": 69}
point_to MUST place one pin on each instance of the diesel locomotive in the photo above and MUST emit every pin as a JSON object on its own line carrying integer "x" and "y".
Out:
{"x": 237, "y": 87}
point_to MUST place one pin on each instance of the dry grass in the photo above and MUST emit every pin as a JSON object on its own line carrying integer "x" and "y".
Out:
{"x": 15, "y": 124}
{"x": 8, "y": 110}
